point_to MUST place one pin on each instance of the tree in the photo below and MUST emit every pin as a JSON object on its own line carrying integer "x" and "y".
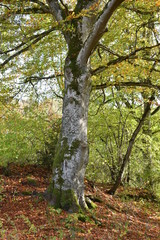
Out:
{"x": 130, "y": 146}
{"x": 72, "y": 153}
{"x": 82, "y": 24}
{"x": 116, "y": 142}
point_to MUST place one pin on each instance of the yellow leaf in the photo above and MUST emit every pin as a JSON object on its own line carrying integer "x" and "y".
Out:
{"x": 158, "y": 3}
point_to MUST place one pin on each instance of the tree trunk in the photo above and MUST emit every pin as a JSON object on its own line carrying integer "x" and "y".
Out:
{"x": 147, "y": 158}
{"x": 82, "y": 30}
{"x": 67, "y": 187}
{"x": 130, "y": 146}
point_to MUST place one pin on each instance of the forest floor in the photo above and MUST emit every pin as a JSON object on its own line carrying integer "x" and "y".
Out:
{"x": 24, "y": 214}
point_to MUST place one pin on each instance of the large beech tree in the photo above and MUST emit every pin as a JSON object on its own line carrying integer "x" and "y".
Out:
{"x": 82, "y": 24}
{"x": 72, "y": 153}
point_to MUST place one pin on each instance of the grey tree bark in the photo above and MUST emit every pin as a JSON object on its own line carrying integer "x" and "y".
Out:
{"x": 67, "y": 187}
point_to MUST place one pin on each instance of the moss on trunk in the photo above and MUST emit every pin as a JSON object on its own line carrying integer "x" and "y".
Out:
{"x": 58, "y": 197}
{"x": 65, "y": 199}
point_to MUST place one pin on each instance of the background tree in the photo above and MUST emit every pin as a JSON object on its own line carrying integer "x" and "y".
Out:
{"x": 112, "y": 136}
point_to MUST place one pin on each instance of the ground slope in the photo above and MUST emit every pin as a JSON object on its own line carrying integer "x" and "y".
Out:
{"x": 24, "y": 213}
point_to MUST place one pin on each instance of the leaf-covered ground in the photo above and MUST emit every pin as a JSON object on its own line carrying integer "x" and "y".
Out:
{"x": 24, "y": 214}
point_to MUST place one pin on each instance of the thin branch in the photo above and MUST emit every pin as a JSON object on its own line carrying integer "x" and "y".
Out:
{"x": 110, "y": 168}
{"x": 108, "y": 50}
{"x": 37, "y": 78}
{"x": 126, "y": 84}
{"x": 31, "y": 10}
{"x": 157, "y": 131}
{"x": 43, "y": 34}
{"x": 38, "y": 38}
{"x": 42, "y": 5}
{"x": 138, "y": 11}
{"x": 131, "y": 55}
{"x": 3, "y": 5}
{"x": 155, "y": 110}
{"x": 42, "y": 9}
{"x": 65, "y": 7}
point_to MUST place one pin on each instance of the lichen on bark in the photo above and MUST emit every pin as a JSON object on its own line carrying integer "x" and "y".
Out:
{"x": 64, "y": 191}
{"x": 70, "y": 161}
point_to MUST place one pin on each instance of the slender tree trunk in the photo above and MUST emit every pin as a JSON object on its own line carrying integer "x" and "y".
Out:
{"x": 147, "y": 149}
{"x": 67, "y": 187}
{"x": 130, "y": 146}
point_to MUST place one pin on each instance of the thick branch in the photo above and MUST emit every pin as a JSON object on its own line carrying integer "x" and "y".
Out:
{"x": 98, "y": 31}
{"x": 56, "y": 9}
